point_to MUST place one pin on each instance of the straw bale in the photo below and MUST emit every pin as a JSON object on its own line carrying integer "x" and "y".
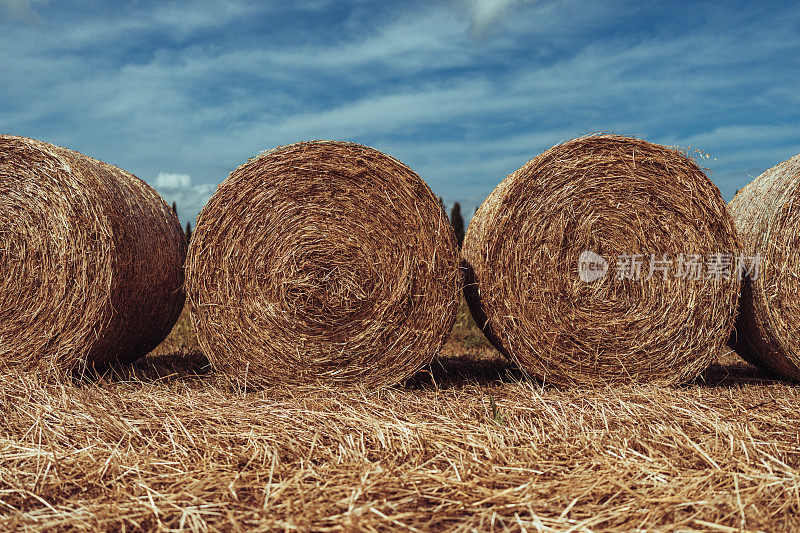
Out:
{"x": 322, "y": 262}
{"x": 616, "y": 197}
{"x": 91, "y": 259}
{"x": 767, "y": 217}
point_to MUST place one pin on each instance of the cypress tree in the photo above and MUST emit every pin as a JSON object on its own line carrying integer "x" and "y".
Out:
{"x": 188, "y": 232}
{"x": 458, "y": 223}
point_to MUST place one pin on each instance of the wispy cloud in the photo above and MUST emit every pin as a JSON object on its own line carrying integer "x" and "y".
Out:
{"x": 486, "y": 13}
{"x": 172, "y": 90}
{"x": 20, "y": 9}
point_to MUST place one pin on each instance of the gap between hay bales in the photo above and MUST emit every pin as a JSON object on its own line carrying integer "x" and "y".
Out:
{"x": 165, "y": 447}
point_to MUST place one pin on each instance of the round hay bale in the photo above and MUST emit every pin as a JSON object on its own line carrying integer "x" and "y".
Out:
{"x": 767, "y": 217}
{"x": 91, "y": 261}
{"x": 603, "y": 200}
{"x": 323, "y": 262}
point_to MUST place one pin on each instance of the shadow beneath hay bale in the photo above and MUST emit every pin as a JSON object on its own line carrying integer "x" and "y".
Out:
{"x": 734, "y": 374}
{"x": 183, "y": 364}
{"x": 463, "y": 370}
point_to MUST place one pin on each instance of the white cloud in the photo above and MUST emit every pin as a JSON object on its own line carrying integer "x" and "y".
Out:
{"x": 166, "y": 180}
{"x": 485, "y": 13}
{"x": 189, "y": 198}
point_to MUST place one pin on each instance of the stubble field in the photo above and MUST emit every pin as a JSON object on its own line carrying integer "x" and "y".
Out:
{"x": 468, "y": 444}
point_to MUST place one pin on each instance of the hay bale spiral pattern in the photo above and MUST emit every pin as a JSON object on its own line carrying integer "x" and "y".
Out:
{"x": 322, "y": 262}
{"x": 767, "y": 217}
{"x": 614, "y": 196}
{"x": 91, "y": 261}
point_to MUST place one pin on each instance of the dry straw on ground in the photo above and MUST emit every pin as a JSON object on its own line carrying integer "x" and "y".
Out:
{"x": 178, "y": 453}
{"x": 613, "y": 196}
{"x": 767, "y": 216}
{"x": 91, "y": 261}
{"x": 322, "y": 261}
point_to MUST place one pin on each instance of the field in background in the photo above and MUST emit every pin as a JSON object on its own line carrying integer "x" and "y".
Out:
{"x": 467, "y": 444}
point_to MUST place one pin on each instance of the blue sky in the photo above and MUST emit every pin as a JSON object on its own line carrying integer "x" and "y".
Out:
{"x": 463, "y": 91}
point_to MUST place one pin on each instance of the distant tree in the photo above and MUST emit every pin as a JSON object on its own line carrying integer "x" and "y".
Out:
{"x": 175, "y": 208}
{"x": 458, "y": 223}
{"x": 188, "y": 232}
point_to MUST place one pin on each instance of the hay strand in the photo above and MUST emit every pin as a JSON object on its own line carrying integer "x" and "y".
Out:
{"x": 322, "y": 262}
{"x": 767, "y": 217}
{"x": 617, "y": 197}
{"x": 91, "y": 261}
